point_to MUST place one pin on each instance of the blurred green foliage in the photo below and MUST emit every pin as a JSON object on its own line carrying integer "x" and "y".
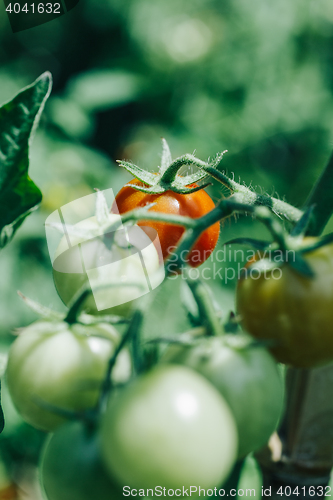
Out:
{"x": 255, "y": 78}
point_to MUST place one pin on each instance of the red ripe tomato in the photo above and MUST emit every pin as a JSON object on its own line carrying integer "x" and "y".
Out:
{"x": 192, "y": 205}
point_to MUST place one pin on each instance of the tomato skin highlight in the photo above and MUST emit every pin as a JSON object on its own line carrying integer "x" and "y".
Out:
{"x": 71, "y": 467}
{"x": 293, "y": 312}
{"x": 192, "y": 205}
{"x": 248, "y": 379}
{"x": 170, "y": 428}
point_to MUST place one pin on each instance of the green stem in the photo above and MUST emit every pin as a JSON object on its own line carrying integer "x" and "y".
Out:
{"x": 107, "y": 383}
{"x": 76, "y": 304}
{"x": 79, "y": 298}
{"x": 321, "y": 197}
{"x": 224, "y": 209}
{"x": 171, "y": 172}
{"x": 273, "y": 225}
{"x": 206, "y": 310}
{"x": 136, "y": 343}
{"x": 245, "y": 195}
{"x": 142, "y": 214}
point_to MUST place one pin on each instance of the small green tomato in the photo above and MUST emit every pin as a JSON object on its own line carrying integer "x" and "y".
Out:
{"x": 71, "y": 467}
{"x": 63, "y": 366}
{"x": 169, "y": 428}
{"x": 246, "y": 375}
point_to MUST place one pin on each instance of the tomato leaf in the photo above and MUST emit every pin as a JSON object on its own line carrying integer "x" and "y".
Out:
{"x": 18, "y": 121}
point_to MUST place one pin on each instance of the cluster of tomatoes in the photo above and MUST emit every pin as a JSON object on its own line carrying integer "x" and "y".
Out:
{"x": 185, "y": 421}
{"x": 181, "y": 424}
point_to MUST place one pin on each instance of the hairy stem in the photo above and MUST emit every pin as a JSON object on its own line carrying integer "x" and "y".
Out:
{"x": 245, "y": 195}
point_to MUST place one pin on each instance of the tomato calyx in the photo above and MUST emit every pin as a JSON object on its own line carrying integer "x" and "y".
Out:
{"x": 167, "y": 178}
{"x": 81, "y": 318}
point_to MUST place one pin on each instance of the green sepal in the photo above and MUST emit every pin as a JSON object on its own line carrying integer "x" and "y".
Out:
{"x": 257, "y": 244}
{"x": 166, "y": 159}
{"x": 167, "y": 177}
{"x": 90, "y": 319}
{"x": 41, "y": 310}
{"x": 321, "y": 242}
{"x": 154, "y": 189}
{"x": 301, "y": 266}
{"x": 138, "y": 173}
{"x": 189, "y": 304}
{"x": 302, "y": 225}
{"x": 192, "y": 178}
{"x": 18, "y": 121}
{"x": 232, "y": 325}
{"x": 60, "y": 412}
{"x": 184, "y": 190}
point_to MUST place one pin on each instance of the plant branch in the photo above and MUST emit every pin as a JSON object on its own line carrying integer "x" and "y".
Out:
{"x": 224, "y": 209}
{"x": 245, "y": 195}
{"x": 205, "y": 305}
{"x": 107, "y": 383}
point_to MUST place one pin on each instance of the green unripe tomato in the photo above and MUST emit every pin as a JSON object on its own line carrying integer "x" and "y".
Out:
{"x": 127, "y": 266}
{"x": 170, "y": 428}
{"x": 63, "y": 366}
{"x": 246, "y": 376}
{"x": 71, "y": 467}
{"x": 291, "y": 311}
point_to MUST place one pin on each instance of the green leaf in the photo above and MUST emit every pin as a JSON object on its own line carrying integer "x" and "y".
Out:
{"x": 18, "y": 121}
